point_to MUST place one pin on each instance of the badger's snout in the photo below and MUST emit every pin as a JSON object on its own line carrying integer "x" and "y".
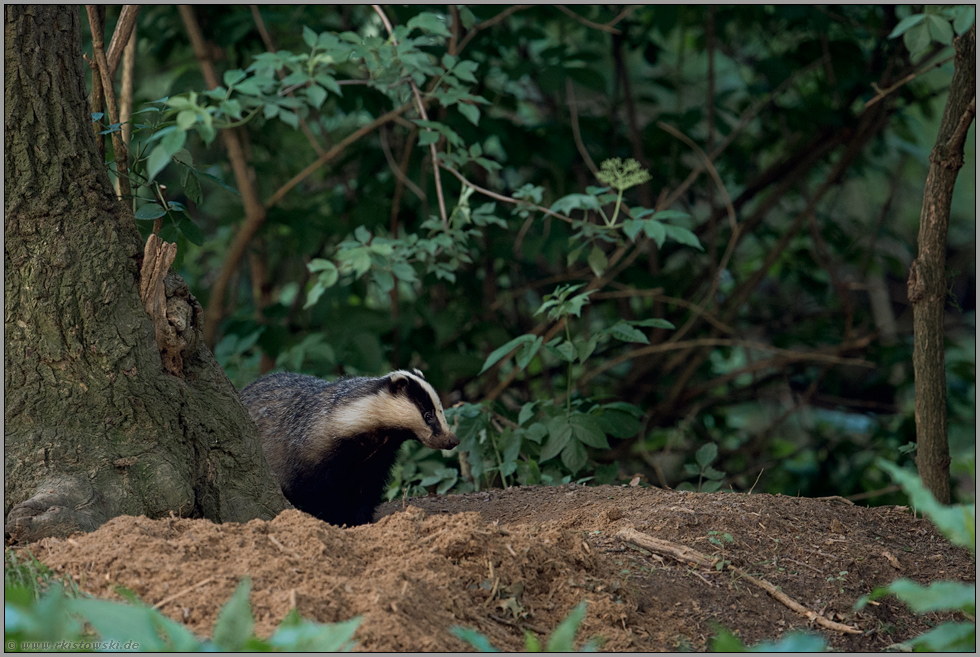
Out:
{"x": 443, "y": 441}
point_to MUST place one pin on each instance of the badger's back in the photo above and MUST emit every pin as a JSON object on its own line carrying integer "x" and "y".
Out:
{"x": 331, "y": 445}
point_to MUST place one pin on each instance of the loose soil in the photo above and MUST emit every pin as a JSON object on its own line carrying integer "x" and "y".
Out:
{"x": 506, "y": 562}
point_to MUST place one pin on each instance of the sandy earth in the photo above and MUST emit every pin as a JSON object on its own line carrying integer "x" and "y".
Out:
{"x": 507, "y": 561}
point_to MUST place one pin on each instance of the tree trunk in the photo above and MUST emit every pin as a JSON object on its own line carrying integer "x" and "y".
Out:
{"x": 94, "y": 426}
{"x": 927, "y": 275}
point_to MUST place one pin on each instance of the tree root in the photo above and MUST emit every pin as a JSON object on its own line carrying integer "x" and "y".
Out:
{"x": 685, "y": 554}
{"x": 60, "y": 507}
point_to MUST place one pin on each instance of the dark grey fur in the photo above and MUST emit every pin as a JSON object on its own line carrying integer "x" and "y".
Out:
{"x": 324, "y": 470}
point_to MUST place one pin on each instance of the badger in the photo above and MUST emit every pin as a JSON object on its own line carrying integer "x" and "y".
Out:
{"x": 331, "y": 445}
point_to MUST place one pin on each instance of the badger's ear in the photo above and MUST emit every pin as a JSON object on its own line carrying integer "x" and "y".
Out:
{"x": 397, "y": 381}
{"x": 418, "y": 373}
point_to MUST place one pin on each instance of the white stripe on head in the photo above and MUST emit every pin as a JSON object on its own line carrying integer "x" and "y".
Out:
{"x": 370, "y": 413}
{"x": 418, "y": 377}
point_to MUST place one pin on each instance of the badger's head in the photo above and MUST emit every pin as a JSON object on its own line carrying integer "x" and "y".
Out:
{"x": 414, "y": 405}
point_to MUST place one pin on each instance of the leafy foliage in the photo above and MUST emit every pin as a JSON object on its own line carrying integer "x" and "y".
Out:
{"x": 562, "y": 639}
{"x": 958, "y": 524}
{"x": 86, "y": 623}
{"x": 733, "y": 304}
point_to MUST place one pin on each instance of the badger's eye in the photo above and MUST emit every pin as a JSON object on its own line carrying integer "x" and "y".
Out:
{"x": 429, "y": 416}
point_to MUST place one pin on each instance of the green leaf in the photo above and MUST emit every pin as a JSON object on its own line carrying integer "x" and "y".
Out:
{"x": 289, "y": 118}
{"x": 404, "y": 272}
{"x": 192, "y": 187}
{"x": 598, "y": 261}
{"x": 158, "y": 159}
{"x": 299, "y": 635}
{"x": 706, "y": 455}
{"x": 619, "y": 424}
{"x": 948, "y": 637}
{"x": 566, "y": 204}
{"x": 957, "y": 523}
{"x": 632, "y": 227}
{"x": 186, "y": 120}
{"x": 234, "y": 625}
{"x": 309, "y": 36}
{"x": 559, "y": 433}
{"x": 150, "y": 212}
{"x": 566, "y": 351}
{"x": 384, "y": 279}
{"x": 917, "y": 39}
{"x": 320, "y": 264}
{"x": 905, "y": 24}
{"x": 574, "y": 456}
{"x": 233, "y": 77}
{"x": 937, "y": 596}
{"x": 190, "y": 230}
{"x": 428, "y": 22}
{"x": 527, "y": 412}
{"x": 563, "y": 638}
{"x": 626, "y": 333}
{"x": 119, "y": 622}
{"x": 653, "y": 323}
{"x": 940, "y": 29}
{"x": 362, "y": 234}
{"x": 471, "y": 112}
{"x": 670, "y": 215}
{"x": 527, "y": 352}
{"x": 316, "y": 94}
{"x": 498, "y": 353}
{"x": 683, "y": 235}
{"x": 474, "y": 638}
{"x": 655, "y": 231}
{"x": 588, "y": 429}
{"x": 584, "y": 348}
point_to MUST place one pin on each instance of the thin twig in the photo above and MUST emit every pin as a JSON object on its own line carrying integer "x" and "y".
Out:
{"x": 587, "y": 22}
{"x": 709, "y": 165}
{"x": 395, "y": 169}
{"x": 904, "y": 81}
{"x": 182, "y": 592}
{"x": 623, "y": 14}
{"x": 784, "y": 354}
{"x": 490, "y": 22}
{"x": 570, "y": 92}
{"x": 121, "y": 153}
{"x": 420, "y": 106}
{"x": 125, "y": 27}
{"x": 508, "y": 199}
{"x": 254, "y": 211}
{"x": 687, "y": 555}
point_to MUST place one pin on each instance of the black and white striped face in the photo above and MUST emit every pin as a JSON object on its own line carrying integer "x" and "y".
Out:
{"x": 404, "y": 400}
{"x": 411, "y": 387}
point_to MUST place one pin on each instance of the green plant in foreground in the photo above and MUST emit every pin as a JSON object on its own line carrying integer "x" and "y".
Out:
{"x": 725, "y": 641}
{"x": 561, "y": 640}
{"x": 56, "y": 619}
{"x": 30, "y": 574}
{"x": 958, "y": 524}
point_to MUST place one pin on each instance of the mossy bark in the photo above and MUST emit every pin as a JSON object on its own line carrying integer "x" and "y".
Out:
{"x": 94, "y": 426}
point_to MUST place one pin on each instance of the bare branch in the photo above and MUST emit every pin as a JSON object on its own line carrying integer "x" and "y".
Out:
{"x": 585, "y": 21}
{"x": 125, "y": 28}
{"x": 570, "y": 92}
{"x": 420, "y": 106}
{"x": 490, "y": 22}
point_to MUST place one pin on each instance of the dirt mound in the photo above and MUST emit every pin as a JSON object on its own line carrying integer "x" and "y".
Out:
{"x": 503, "y": 562}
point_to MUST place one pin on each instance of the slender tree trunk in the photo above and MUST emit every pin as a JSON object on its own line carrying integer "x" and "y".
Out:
{"x": 94, "y": 426}
{"x": 927, "y": 275}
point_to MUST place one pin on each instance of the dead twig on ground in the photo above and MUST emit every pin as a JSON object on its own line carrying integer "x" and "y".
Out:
{"x": 685, "y": 555}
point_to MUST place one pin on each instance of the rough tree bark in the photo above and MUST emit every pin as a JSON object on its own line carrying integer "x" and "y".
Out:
{"x": 94, "y": 426}
{"x": 927, "y": 275}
